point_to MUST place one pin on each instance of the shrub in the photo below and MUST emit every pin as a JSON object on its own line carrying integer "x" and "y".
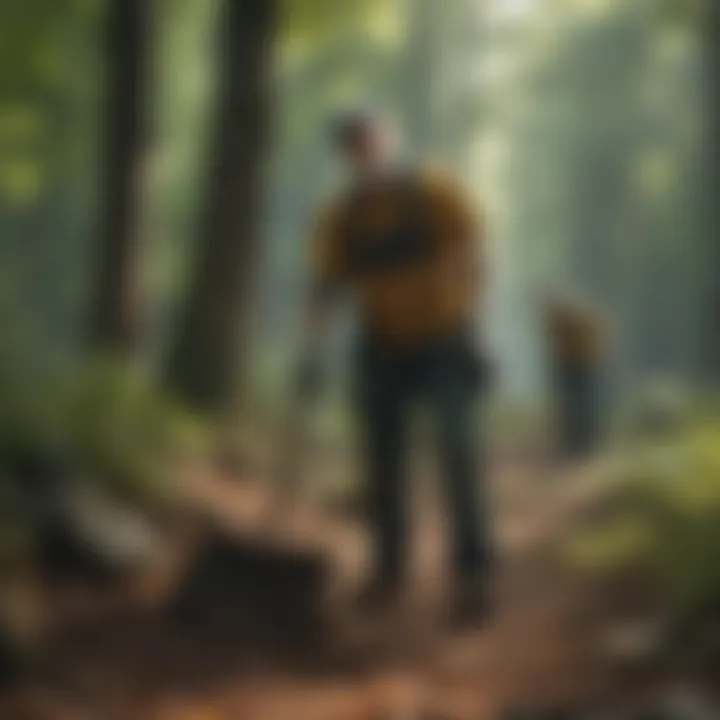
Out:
{"x": 100, "y": 421}
{"x": 660, "y": 514}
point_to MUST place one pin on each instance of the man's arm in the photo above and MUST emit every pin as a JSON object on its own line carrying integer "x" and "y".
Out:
{"x": 464, "y": 234}
{"x": 472, "y": 256}
{"x": 467, "y": 270}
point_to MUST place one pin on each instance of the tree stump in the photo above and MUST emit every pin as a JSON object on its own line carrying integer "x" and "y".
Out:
{"x": 238, "y": 583}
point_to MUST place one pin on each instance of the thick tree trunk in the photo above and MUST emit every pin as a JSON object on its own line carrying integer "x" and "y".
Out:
{"x": 116, "y": 306}
{"x": 205, "y": 356}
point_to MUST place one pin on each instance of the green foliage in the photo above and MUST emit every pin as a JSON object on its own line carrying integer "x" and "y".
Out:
{"x": 684, "y": 12}
{"x": 660, "y": 515}
{"x": 102, "y": 421}
{"x": 303, "y": 20}
{"x": 123, "y": 431}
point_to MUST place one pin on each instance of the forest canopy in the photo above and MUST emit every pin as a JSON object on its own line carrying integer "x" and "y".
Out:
{"x": 577, "y": 124}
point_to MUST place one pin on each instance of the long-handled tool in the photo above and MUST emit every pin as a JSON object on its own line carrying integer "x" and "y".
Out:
{"x": 294, "y": 440}
{"x": 288, "y": 475}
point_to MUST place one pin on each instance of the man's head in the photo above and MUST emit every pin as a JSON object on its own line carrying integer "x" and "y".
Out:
{"x": 361, "y": 140}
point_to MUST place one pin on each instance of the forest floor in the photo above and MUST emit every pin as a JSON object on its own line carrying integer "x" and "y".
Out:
{"x": 539, "y": 649}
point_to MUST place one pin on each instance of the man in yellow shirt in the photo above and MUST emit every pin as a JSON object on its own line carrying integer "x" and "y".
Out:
{"x": 403, "y": 244}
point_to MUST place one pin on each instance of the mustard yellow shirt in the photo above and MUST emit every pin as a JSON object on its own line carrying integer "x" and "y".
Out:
{"x": 430, "y": 291}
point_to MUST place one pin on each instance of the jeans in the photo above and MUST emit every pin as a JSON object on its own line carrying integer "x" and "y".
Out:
{"x": 577, "y": 388}
{"x": 389, "y": 382}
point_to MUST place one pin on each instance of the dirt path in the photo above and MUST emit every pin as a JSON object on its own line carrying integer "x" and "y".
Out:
{"x": 537, "y": 649}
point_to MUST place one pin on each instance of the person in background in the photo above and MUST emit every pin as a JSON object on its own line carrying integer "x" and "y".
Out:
{"x": 576, "y": 345}
{"x": 403, "y": 243}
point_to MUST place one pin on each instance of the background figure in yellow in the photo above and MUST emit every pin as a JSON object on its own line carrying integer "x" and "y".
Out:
{"x": 576, "y": 344}
{"x": 402, "y": 243}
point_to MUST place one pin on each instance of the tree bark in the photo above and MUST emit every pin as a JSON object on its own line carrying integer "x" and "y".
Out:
{"x": 205, "y": 356}
{"x": 712, "y": 196}
{"x": 420, "y": 77}
{"x": 116, "y": 311}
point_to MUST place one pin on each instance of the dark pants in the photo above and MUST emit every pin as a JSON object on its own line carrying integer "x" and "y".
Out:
{"x": 389, "y": 384}
{"x": 577, "y": 389}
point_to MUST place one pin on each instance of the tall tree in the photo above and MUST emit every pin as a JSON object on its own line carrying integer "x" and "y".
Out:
{"x": 420, "y": 116}
{"x": 712, "y": 44}
{"x": 205, "y": 353}
{"x": 116, "y": 301}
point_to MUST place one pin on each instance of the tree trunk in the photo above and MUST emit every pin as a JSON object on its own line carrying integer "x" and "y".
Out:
{"x": 116, "y": 306}
{"x": 712, "y": 219}
{"x": 420, "y": 77}
{"x": 205, "y": 354}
